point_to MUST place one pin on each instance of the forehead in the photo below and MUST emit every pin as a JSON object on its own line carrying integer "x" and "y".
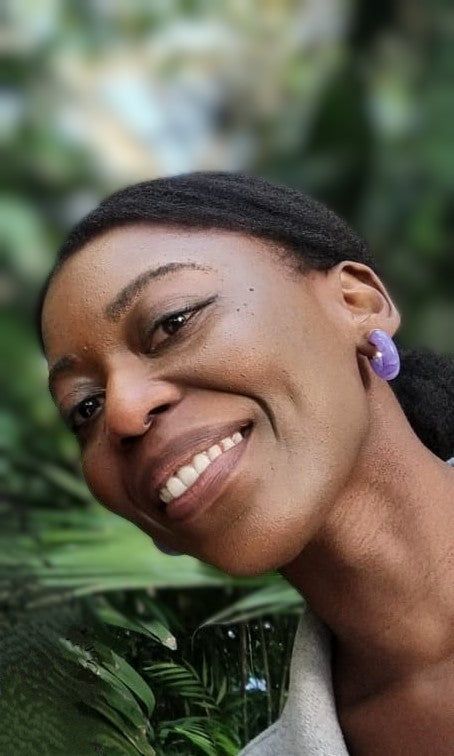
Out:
{"x": 108, "y": 262}
{"x": 93, "y": 276}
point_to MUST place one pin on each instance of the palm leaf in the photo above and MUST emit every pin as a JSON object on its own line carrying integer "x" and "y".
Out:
{"x": 274, "y": 598}
{"x": 108, "y": 694}
{"x": 51, "y": 703}
{"x": 210, "y": 736}
{"x": 180, "y": 680}
{"x": 70, "y": 554}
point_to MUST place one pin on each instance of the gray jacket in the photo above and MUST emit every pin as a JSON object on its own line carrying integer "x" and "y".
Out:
{"x": 308, "y": 725}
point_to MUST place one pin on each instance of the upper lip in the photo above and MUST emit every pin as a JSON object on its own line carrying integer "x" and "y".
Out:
{"x": 180, "y": 450}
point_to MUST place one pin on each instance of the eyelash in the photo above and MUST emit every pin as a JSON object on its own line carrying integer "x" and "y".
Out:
{"x": 76, "y": 427}
{"x": 193, "y": 309}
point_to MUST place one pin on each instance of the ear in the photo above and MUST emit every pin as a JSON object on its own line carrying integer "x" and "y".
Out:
{"x": 365, "y": 299}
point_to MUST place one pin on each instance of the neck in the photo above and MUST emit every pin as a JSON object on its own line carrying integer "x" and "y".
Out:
{"x": 379, "y": 572}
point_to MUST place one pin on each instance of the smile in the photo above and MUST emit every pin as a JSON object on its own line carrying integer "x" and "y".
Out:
{"x": 198, "y": 482}
{"x": 187, "y": 475}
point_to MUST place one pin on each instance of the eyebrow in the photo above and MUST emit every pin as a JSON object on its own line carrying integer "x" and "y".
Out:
{"x": 124, "y": 299}
{"x": 118, "y": 306}
{"x": 63, "y": 365}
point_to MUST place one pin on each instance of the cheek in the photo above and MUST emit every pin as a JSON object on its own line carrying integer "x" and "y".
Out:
{"x": 103, "y": 480}
{"x": 241, "y": 355}
{"x": 329, "y": 417}
{"x": 323, "y": 418}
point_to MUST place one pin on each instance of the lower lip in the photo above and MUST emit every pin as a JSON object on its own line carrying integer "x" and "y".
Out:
{"x": 209, "y": 486}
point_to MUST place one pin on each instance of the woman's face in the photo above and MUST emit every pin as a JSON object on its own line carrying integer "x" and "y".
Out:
{"x": 162, "y": 342}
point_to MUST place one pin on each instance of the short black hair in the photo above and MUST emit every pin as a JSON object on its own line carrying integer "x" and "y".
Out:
{"x": 309, "y": 234}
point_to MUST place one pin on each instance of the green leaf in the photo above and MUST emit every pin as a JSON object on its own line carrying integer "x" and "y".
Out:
{"x": 153, "y": 629}
{"x": 135, "y": 736}
{"x": 107, "y": 694}
{"x": 128, "y": 676}
{"x": 221, "y": 692}
{"x": 271, "y": 599}
{"x": 181, "y": 681}
{"x": 191, "y": 730}
{"x": 47, "y": 694}
{"x": 107, "y": 554}
{"x": 211, "y": 736}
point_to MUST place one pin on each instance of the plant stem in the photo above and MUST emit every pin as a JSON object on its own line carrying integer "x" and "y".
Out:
{"x": 266, "y": 669}
{"x": 290, "y": 636}
{"x": 244, "y": 675}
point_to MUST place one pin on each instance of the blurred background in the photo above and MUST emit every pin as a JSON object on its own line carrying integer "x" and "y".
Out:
{"x": 350, "y": 101}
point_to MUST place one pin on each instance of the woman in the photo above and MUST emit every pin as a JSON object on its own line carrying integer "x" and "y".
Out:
{"x": 222, "y": 348}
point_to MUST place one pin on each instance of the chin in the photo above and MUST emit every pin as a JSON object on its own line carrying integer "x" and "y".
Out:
{"x": 249, "y": 562}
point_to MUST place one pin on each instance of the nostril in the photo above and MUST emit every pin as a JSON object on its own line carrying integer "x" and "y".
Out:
{"x": 129, "y": 440}
{"x": 158, "y": 410}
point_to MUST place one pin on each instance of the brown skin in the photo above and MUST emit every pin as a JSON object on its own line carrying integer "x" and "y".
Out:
{"x": 333, "y": 488}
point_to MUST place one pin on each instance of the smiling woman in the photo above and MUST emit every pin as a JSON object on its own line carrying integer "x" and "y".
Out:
{"x": 222, "y": 347}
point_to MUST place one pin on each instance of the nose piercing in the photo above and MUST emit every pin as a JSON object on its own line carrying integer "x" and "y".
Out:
{"x": 386, "y": 361}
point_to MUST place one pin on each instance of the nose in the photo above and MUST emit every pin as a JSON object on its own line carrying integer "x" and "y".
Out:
{"x": 131, "y": 402}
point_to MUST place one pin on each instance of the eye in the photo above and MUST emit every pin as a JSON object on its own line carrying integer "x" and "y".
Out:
{"x": 83, "y": 412}
{"x": 174, "y": 323}
{"x": 169, "y": 326}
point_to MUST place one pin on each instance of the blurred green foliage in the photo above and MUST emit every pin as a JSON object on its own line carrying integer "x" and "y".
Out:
{"x": 349, "y": 101}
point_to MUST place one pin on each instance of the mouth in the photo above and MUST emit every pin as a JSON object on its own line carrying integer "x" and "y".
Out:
{"x": 196, "y": 484}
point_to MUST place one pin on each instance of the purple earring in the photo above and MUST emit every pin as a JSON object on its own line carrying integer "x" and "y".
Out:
{"x": 386, "y": 362}
{"x": 165, "y": 549}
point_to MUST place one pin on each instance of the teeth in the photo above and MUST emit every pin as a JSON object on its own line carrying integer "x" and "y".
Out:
{"x": 185, "y": 476}
{"x": 176, "y": 487}
{"x": 214, "y": 452}
{"x": 165, "y": 495}
{"x": 201, "y": 462}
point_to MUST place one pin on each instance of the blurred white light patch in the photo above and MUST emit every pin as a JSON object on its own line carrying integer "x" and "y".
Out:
{"x": 200, "y": 93}
{"x": 256, "y": 683}
{"x": 173, "y": 121}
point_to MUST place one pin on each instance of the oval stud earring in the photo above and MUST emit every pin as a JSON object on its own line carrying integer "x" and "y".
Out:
{"x": 386, "y": 361}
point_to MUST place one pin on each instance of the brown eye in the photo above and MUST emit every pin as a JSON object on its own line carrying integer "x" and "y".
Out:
{"x": 173, "y": 324}
{"x": 87, "y": 408}
{"x": 169, "y": 327}
{"x": 84, "y": 411}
